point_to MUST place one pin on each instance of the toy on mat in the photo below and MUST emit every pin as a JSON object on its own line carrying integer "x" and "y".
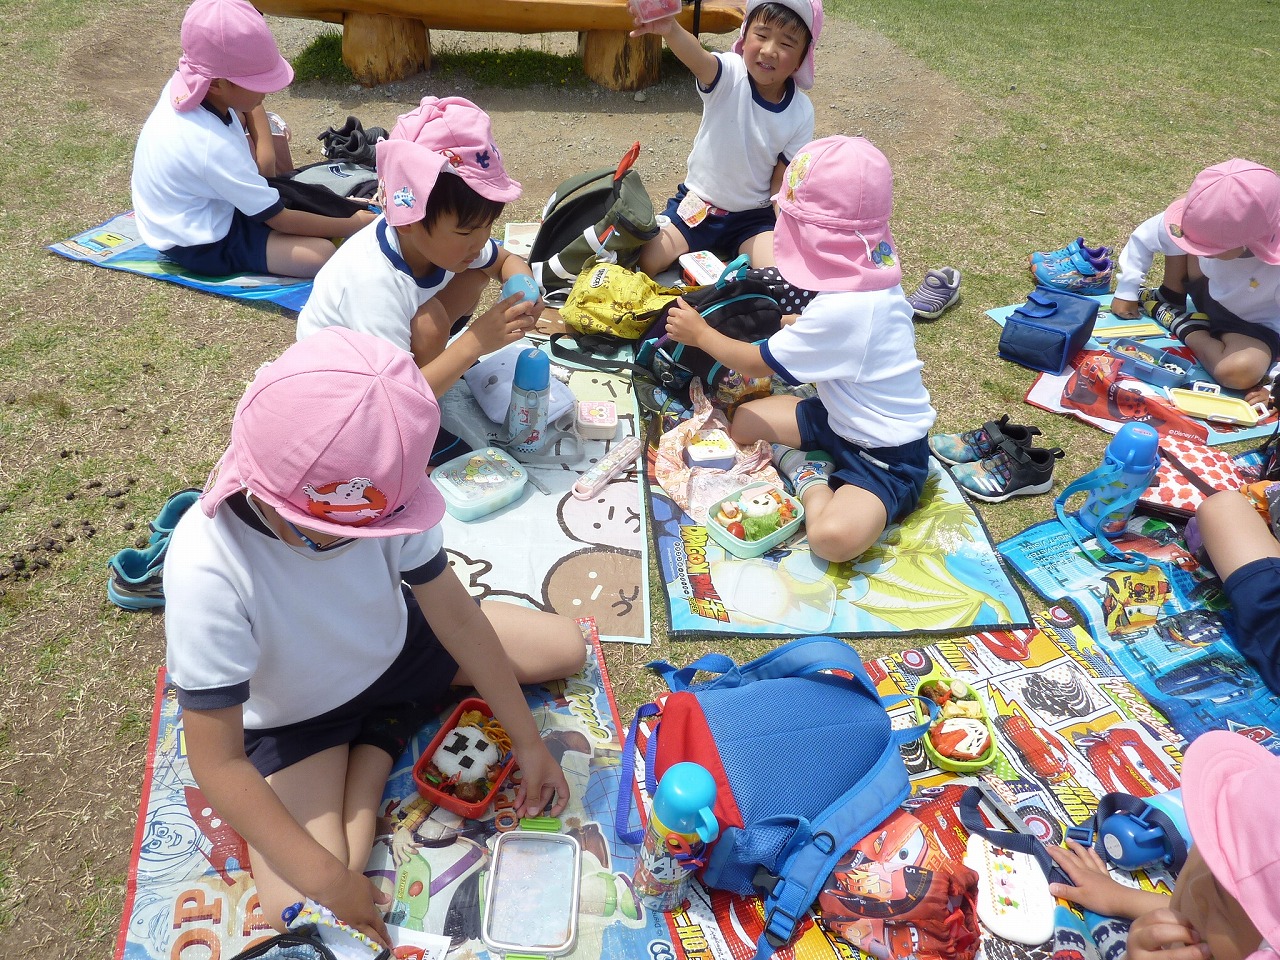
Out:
{"x": 467, "y": 761}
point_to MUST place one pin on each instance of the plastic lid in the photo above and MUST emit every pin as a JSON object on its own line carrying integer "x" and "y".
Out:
{"x": 533, "y": 370}
{"x": 684, "y": 793}
{"x": 1136, "y": 445}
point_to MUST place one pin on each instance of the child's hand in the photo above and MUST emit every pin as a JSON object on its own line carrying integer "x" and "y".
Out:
{"x": 541, "y": 777}
{"x": 1165, "y": 935}
{"x": 1093, "y": 888}
{"x": 685, "y": 324}
{"x": 660, "y": 27}
{"x": 505, "y": 322}
{"x": 1128, "y": 309}
{"x": 356, "y": 903}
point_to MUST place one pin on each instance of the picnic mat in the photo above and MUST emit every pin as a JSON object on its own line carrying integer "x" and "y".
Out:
{"x": 1168, "y": 629}
{"x": 117, "y": 246}
{"x": 1092, "y": 390}
{"x": 935, "y": 573}
{"x": 549, "y": 550}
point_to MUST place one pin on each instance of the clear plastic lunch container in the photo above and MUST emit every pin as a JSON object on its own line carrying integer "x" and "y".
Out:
{"x": 480, "y": 482}
{"x": 531, "y": 895}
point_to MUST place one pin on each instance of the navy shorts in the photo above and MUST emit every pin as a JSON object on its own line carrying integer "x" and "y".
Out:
{"x": 1222, "y": 320}
{"x": 894, "y": 474}
{"x": 722, "y": 232}
{"x": 412, "y": 691}
{"x": 242, "y": 250}
{"x": 1254, "y": 591}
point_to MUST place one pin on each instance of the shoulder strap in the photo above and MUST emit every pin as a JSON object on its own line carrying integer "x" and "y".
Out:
{"x": 971, "y": 819}
{"x": 560, "y": 347}
{"x": 1113, "y": 557}
{"x": 626, "y": 784}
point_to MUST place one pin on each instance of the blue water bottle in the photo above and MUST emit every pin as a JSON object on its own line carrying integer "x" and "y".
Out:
{"x": 1132, "y": 458}
{"x": 681, "y": 824}
{"x": 530, "y": 401}
{"x": 1133, "y": 840}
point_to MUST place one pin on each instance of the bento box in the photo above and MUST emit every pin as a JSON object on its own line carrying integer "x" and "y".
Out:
{"x": 468, "y": 750}
{"x": 968, "y": 722}
{"x": 1161, "y": 368}
{"x": 758, "y": 508}
{"x": 480, "y": 482}
{"x": 531, "y": 895}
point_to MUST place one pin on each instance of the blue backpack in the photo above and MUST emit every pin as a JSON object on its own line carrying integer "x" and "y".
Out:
{"x": 805, "y": 760}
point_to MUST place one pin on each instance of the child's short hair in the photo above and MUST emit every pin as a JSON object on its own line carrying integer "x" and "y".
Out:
{"x": 452, "y": 195}
{"x": 450, "y": 135}
{"x": 788, "y": 14}
{"x": 227, "y": 40}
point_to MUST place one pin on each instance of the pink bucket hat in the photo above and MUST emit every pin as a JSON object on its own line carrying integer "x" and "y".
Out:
{"x": 335, "y": 434}
{"x": 229, "y": 40}
{"x": 1229, "y": 205}
{"x": 833, "y": 218}
{"x": 451, "y": 135}
{"x": 810, "y": 11}
{"x": 1229, "y": 790}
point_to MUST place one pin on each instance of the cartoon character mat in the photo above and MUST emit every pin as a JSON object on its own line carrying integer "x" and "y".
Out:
{"x": 549, "y": 550}
{"x": 116, "y": 245}
{"x": 188, "y": 886}
{"x": 1167, "y": 629}
{"x": 935, "y": 573}
{"x": 1094, "y": 391}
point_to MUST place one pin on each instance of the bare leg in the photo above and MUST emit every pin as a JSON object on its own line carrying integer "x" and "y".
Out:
{"x": 662, "y": 251}
{"x": 772, "y": 419}
{"x": 1176, "y": 272}
{"x": 842, "y": 523}
{"x": 1234, "y": 533}
{"x": 760, "y": 249}
{"x": 541, "y": 646}
{"x": 289, "y": 255}
{"x": 1236, "y": 360}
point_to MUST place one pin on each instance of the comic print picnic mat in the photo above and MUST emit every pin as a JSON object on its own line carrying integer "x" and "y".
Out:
{"x": 935, "y": 573}
{"x": 1094, "y": 391}
{"x": 1167, "y": 629}
{"x": 117, "y": 246}
{"x": 549, "y": 550}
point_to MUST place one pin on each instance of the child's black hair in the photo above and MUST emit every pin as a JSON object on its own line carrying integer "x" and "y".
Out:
{"x": 776, "y": 14}
{"x": 451, "y": 194}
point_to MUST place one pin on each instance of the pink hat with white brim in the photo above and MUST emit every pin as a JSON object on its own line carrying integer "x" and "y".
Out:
{"x": 1230, "y": 205}
{"x": 335, "y": 434}
{"x": 832, "y": 232}
{"x": 810, "y": 11}
{"x": 227, "y": 40}
{"x": 450, "y": 135}
{"x": 1229, "y": 790}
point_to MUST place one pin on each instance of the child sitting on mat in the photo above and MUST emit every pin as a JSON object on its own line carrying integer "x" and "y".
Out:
{"x": 314, "y": 623}
{"x": 1226, "y": 901}
{"x": 1221, "y": 245}
{"x": 198, "y": 193}
{"x": 866, "y": 429}
{"x": 422, "y": 266}
{"x": 754, "y": 119}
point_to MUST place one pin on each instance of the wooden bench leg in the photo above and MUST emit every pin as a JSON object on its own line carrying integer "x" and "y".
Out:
{"x": 616, "y": 61}
{"x": 380, "y": 49}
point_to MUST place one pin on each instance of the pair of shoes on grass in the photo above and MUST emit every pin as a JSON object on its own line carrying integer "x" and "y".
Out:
{"x": 937, "y": 293}
{"x": 1076, "y": 268}
{"x": 136, "y": 581}
{"x": 997, "y": 460}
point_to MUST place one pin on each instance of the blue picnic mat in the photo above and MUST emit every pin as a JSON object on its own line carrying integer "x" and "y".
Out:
{"x": 117, "y": 246}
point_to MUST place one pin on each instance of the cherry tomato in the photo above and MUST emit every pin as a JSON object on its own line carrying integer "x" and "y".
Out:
{"x": 737, "y": 530}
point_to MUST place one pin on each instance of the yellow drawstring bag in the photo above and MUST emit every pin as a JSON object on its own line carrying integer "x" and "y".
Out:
{"x": 609, "y": 299}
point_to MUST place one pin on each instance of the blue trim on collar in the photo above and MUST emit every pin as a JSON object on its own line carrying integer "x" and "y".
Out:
{"x": 787, "y": 96}
{"x": 224, "y": 117}
{"x": 434, "y": 277}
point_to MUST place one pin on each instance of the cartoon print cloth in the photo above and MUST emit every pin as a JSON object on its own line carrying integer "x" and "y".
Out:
{"x": 695, "y": 489}
{"x": 897, "y": 894}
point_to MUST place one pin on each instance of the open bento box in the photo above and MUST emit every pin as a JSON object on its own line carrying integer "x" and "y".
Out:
{"x": 754, "y": 520}
{"x": 954, "y": 740}
{"x": 531, "y": 896}
{"x": 1161, "y": 368}
{"x": 479, "y": 482}
{"x": 467, "y": 750}
{"x": 1206, "y": 401}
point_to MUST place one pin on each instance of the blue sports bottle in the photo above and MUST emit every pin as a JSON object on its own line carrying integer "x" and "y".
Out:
{"x": 530, "y": 401}
{"x": 1128, "y": 468}
{"x": 681, "y": 824}
{"x": 1135, "y": 840}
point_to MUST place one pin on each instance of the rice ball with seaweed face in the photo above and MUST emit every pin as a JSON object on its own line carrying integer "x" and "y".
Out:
{"x": 467, "y": 754}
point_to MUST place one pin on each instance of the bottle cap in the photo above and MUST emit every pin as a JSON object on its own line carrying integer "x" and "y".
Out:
{"x": 533, "y": 370}
{"x": 684, "y": 801}
{"x": 1136, "y": 445}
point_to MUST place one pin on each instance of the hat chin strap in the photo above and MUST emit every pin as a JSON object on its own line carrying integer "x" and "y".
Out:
{"x": 865, "y": 244}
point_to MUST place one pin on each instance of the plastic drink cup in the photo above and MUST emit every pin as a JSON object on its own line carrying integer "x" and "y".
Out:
{"x": 522, "y": 284}
{"x": 646, "y": 11}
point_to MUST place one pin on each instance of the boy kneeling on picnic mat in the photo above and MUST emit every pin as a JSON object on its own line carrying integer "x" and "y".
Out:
{"x": 857, "y": 454}
{"x": 313, "y": 623}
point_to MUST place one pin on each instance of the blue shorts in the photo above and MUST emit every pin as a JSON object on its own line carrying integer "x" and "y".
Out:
{"x": 242, "y": 250}
{"x": 1254, "y": 591}
{"x": 412, "y": 691}
{"x": 894, "y": 474}
{"x": 1222, "y": 320}
{"x": 721, "y": 232}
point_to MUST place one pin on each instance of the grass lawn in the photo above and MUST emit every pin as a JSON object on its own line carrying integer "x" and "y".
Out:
{"x": 115, "y": 391}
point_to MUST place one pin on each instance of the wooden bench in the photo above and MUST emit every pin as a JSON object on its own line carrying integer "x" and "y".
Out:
{"x": 387, "y": 40}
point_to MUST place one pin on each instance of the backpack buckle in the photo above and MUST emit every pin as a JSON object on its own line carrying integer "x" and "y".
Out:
{"x": 1082, "y": 833}
{"x": 764, "y": 881}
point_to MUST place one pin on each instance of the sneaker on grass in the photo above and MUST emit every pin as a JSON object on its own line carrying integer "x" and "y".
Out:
{"x": 1076, "y": 246}
{"x": 1011, "y": 471}
{"x": 801, "y": 469}
{"x": 973, "y": 445}
{"x": 1076, "y": 274}
{"x": 938, "y": 291}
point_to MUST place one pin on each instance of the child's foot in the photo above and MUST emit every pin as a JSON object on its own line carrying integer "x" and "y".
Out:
{"x": 1179, "y": 323}
{"x": 801, "y": 469}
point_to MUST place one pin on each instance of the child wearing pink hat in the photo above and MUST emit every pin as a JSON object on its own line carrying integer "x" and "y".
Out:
{"x": 423, "y": 264}
{"x": 1221, "y": 246}
{"x": 313, "y": 622}
{"x": 1226, "y": 901}
{"x": 755, "y": 117}
{"x": 856, "y": 454}
{"x": 198, "y": 192}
